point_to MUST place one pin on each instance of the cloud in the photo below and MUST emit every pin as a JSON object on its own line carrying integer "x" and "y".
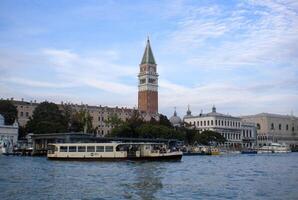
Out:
{"x": 92, "y": 71}
{"x": 252, "y": 33}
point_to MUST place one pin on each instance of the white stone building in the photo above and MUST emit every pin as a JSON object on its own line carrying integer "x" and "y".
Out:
{"x": 275, "y": 128}
{"x": 249, "y": 134}
{"x": 8, "y": 133}
{"x": 227, "y": 125}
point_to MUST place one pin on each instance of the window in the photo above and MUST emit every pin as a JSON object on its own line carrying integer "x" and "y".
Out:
{"x": 225, "y": 123}
{"x": 81, "y": 148}
{"x": 201, "y": 123}
{"x": 258, "y": 126}
{"x": 72, "y": 148}
{"x": 142, "y": 81}
{"x": 22, "y": 114}
{"x": 151, "y": 80}
{"x": 27, "y": 114}
{"x": 222, "y": 123}
{"x": 211, "y": 122}
{"x": 272, "y": 126}
{"x": 90, "y": 148}
{"x": 293, "y": 129}
{"x": 215, "y": 122}
{"x": 198, "y": 123}
{"x": 287, "y": 127}
{"x": 208, "y": 122}
{"x": 204, "y": 123}
{"x": 279, "y": 126}
{"x": 109, "y": 148}
{"x": 63, "y": 149}
{"x": 100, "y": 149}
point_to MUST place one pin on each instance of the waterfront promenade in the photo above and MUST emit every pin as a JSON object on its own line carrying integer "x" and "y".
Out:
{"x": 272, "y": 176}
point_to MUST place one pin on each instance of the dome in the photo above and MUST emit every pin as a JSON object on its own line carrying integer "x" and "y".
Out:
{"x": 1, "y": 120}
{"x": 175, "y": 120}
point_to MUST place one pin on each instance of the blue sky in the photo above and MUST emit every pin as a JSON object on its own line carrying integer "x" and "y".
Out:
{"x": 241, "y": 56}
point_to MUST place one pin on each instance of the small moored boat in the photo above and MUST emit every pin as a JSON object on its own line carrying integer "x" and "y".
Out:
{"x": 112, "y": 151}
{"x": 249, "y": 151}
{"x": 274, "y": 148}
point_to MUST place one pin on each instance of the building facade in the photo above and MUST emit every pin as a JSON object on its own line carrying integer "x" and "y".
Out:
{"x": 8, "y": 134}
{"x": 275, "y": 128}
{"x": 249, "y": 134}
{"x": 99, "y": 114}
{"x": 148, "y": 83}
{"x": 227, "y": 125}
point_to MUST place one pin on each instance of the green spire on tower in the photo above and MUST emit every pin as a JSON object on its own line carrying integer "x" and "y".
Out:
{"x": 148, "y": 57}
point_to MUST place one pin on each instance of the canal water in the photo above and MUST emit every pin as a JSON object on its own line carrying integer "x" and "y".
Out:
{"x": 239, "y": 176}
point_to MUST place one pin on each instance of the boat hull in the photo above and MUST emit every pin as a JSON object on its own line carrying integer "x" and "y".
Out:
{"x": 249, "y": 152}
{"x": 145, "y": 158}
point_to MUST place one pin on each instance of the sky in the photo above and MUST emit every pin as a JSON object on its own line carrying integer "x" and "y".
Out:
{"x": 241, "y": 56}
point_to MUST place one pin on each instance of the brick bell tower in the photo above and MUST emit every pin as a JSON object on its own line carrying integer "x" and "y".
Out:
{"x": 148, "y": 83}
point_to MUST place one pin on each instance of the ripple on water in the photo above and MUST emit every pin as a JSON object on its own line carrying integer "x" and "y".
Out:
{"x": 195, "y": 177}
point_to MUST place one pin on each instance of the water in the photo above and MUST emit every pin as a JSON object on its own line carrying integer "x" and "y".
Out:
{"x": 272, "y": 176}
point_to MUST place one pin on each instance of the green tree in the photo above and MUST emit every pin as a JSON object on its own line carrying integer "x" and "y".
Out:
{"x": 163, "y": 120}
{"x": 82, "y": 121}
{"x": 210, "y": 137}
{"x": 8, "y": 111}
{"x": 47, "y": 118}
{"x": 114, "y": 120}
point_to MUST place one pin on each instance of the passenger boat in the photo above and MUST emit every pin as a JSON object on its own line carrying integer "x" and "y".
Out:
{"x": 274, "y": 148}
{"x": 112, "y": 151}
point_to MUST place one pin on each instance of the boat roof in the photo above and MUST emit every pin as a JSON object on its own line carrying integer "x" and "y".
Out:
{"x": 105, "y": 144}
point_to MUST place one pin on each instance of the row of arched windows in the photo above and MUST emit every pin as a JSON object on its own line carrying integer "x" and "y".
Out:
{"x": 280, "y": 127}
{"x": 216, "y": 123}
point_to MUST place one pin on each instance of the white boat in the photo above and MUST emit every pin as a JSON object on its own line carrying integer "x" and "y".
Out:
{"x": 274, "y": 148}
{"x": 112, "y": 151}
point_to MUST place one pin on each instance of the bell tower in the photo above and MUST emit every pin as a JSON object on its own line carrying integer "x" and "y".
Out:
{"x": 148, "y": 83}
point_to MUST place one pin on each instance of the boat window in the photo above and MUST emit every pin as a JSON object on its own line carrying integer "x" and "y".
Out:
{"x": 51, "y": 149}
{"x": 100, "y": 149}
{"x": 63, "y": 149}
{"x": 72, "y": 149}
{"x": 81, "y": 148}
{"x": 90, "y": 148}
{"x": 109, "y": 148}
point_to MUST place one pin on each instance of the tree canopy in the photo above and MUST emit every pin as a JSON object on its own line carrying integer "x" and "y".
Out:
{"x": 135, "y": 127}
{"x": 210, "y": 137}
{"x": 8, "y": 111}
{"x": 47, "y": 118}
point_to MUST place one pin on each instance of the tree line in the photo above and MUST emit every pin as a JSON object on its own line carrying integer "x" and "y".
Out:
{"x": 49, "y": 118}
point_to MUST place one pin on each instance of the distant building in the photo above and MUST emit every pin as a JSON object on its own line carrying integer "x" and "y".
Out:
{"x": 175, "y": 120}
{"x": 148, "y": 83}
{"x": 227, "y": 125}
{"x": 275, "y": 128}
{"x": 8, "y": 133}
{"x": 99, "y": 114}
{"x": 249, "y": 134}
